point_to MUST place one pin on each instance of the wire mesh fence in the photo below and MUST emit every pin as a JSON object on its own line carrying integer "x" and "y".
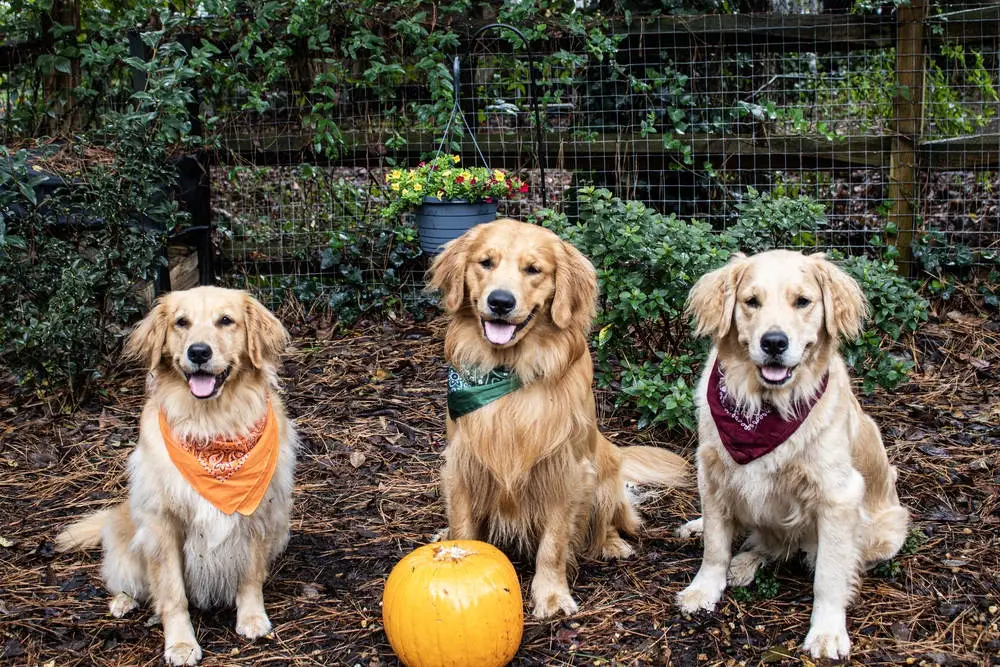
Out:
{"x": 889, "y": 120}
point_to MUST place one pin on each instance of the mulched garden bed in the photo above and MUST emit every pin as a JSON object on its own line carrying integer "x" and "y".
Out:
{"x": 370, "y": 409}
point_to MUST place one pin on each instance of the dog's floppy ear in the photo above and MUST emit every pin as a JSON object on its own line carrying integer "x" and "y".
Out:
{"x": 575, "y": 301}
{"x": 145, "y": 342}
{"x": 712, "y": 300}
{"x": 844, "y": 304}
{"x": 447, "y": 272}
{"x": 267, "y": 337}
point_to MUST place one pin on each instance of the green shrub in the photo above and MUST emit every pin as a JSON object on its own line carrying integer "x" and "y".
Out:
{"x": 646, "y": 264}
{"x": 767, "y": 222}
{"x": 896, "y": 311}
{"x": 69, "y": 291}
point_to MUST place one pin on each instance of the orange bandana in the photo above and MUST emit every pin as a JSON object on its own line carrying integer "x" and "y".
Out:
{"x": 231, "y": 473}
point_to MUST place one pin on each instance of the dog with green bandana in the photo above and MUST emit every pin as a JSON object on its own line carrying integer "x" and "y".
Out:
{"x": 526, "y": 467}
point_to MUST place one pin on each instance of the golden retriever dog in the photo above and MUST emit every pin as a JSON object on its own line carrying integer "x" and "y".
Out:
{"x": 785, "y": 451}
{"x": 528, "y": 468}
{"x": 210, "y": 481}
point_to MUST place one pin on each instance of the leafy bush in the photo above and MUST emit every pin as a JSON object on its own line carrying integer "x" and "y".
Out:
{"x": 896, "y": 311}
{"x": 647, "y": 262}
{"x": 72, "y": 265}
{"x": 767, "y": 222}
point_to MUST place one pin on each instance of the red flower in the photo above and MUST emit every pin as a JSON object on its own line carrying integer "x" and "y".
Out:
{"x": 523, "y": 188}
{"x": 421, "y": 164}
{"x": 460, "y": 179}
{"x": 489, "y": 200}
{"x": 472, "y": 182}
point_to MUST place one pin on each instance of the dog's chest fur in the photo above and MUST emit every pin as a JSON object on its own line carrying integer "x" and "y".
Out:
{"x": 782, "y": 491}
{"x": 217, "y": 547}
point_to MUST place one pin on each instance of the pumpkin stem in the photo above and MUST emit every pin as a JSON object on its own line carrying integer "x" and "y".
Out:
{"x": 453, "y": 553}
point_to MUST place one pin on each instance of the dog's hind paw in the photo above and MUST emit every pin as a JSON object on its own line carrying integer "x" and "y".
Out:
{"x": 182, "y": 653}
{"x": 616, "y": 548}
{"x": 122, "y": 604}
{"x": 743, "y": 567}
{"x": 691, "y": 528}
{"x": 253, "y": 626}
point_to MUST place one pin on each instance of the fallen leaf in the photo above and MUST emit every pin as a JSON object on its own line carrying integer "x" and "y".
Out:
{"x": 6, "y": 543}
{"x": 357, "y": 459}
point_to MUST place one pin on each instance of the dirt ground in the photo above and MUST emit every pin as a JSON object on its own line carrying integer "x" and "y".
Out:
{"x": 370, "y": 409}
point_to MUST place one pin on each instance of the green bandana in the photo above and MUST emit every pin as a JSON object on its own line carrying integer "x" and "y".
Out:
{"x": 472, "y": 390}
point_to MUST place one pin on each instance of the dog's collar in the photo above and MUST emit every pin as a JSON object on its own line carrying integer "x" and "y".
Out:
{"x": 749, "y": 437}
{"x": 232, "y": 473}
{"x": 471, "y": 389}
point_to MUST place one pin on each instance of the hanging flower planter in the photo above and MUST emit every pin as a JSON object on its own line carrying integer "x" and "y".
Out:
{"x": 443, "y": 220}
{"x": 448, "y": 198}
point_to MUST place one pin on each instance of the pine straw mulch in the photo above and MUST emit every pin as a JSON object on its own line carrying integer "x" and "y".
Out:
{"x": 370, "y": 409}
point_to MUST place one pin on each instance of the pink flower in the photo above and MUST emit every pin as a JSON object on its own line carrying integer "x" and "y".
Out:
{"x": 523, "y": 188}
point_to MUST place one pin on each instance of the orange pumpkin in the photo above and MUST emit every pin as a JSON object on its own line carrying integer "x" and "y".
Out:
{"x": 455, "y": 603}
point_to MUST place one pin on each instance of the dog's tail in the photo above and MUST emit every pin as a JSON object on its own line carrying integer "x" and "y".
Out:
{"x": 656, "y": 466}
{"x": 85, "y": 533}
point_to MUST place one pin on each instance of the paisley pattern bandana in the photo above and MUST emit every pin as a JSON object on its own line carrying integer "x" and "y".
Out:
{"x": 471, "y": 390}
{"x": 749, "y": 437}
{"x": 232, "y": 473}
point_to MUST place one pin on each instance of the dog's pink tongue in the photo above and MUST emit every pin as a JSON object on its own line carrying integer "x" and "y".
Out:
{"x": 774, "y": 373}
{"x": 201, "y": 386}
{"x": 499, "y": 333}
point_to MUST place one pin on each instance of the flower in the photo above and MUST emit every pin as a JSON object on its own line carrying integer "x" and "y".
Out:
{"x": 445, "y": 178}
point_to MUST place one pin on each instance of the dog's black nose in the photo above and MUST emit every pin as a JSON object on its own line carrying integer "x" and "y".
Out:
{"x": 774, "y": 343}
{"x": 501, "y": 301}
{"x": 199, "y": 353}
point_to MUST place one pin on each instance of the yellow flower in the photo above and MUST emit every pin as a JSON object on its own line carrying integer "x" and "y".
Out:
{"x": 395, "y": 173}
{"x": 418, "y": 187}
{"x": 465, "y": 174}
{"x": 499, "y": 176}
{"x": 395, "y": 186}
{"x": 440, "y": 194}
{"x": 456, "y": 159}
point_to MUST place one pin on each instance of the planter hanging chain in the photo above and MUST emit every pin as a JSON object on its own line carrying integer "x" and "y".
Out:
{"x": 456, "y": 111}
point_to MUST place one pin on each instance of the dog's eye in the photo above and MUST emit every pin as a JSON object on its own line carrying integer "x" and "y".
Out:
{"x": 225, "y": 321}
{"x": 752, "y": 302}
{"x": 486, "y": 263}
{"x": 183, "y": 322}
{"x": 531, "y": 270}
{"x": 802, "y": 302}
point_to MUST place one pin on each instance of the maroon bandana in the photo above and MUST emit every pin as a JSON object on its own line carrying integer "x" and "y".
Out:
{"x": 749, "y": 437}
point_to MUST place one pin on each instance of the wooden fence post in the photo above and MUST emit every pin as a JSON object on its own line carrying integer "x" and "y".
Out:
{"x": 907, "y": 125}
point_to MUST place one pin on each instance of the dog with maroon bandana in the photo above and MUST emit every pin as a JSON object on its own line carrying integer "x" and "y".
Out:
{"x": 785, "y": 454}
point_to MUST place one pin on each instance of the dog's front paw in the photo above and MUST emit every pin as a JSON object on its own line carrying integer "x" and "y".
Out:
{"x": 822, "y": 642}
{"x": 253, "y": 626}
{"x": 122, "y": 604}
{"x": 691, "y": 528}
{"x": 698, "y": 597}
{"x": 182, "y": 653}
{"x": 440, "y": 536}
{"x": 550, "y": 600}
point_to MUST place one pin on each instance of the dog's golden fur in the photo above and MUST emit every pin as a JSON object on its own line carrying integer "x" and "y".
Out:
{"x": 167, "y": 543}
{"x": 829, "y": 490}
{"x": 531, "y": 470}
